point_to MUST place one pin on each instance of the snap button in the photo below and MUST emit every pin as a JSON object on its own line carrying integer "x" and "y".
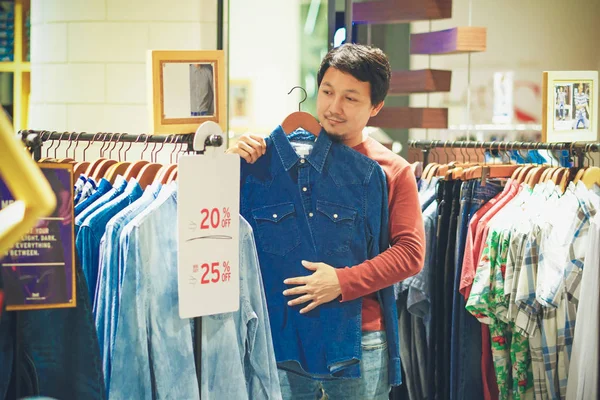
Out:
{"x": 304, "y": 189}
{"x": 302, "y": 161}
{"x": 275, "y": 216}
{"x": 335, "y": 216}
{"x": 310, "y": 215}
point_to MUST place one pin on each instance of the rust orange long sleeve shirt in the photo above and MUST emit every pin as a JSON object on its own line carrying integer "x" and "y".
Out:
{"x": 406, "y": 255}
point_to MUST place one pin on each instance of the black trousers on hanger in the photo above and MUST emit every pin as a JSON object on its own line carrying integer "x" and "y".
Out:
{"x": 438, "y": 375}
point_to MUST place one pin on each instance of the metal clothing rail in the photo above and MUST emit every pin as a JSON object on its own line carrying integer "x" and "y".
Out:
{"x": 577, "y": 149}
{"x": 34, "y": 141}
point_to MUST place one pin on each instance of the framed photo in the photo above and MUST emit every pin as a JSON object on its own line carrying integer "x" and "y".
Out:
{"x": 39, "y": 271}
{"x": 240, "y": 110}
{"x": 570, "y": 108}
{"x": 186, "y": 88}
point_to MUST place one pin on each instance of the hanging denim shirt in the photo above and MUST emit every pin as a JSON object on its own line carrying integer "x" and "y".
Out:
{"x": 103, "y": 187}
{"x": 93, "y": 226}
{"x": 328, "y": 207}
{"x": 117, "y": 190}
{"x": 247, "y": 371}
{"x": 78, "y": 187}
{"x": 153, "y": 356}
{"x": 108, "y": 288}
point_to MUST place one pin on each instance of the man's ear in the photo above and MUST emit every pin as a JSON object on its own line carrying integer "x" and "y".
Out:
{"x": 376, "y": 109}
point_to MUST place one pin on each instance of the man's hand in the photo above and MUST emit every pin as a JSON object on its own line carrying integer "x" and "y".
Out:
{"x": 249, "y": 147}
{"x": 319, "y": 288}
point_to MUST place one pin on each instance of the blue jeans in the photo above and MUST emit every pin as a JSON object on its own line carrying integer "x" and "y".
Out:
{"x": 465, "y": 353}
{"x": 373, "y": 383}
{"x": 60, "y": 353}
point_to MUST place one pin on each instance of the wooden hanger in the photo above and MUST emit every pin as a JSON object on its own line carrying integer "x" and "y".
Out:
{"x": 165, "y": 172}
{"x": 591, "y": 177}
{"x": 558, "y": 175}
{"x": 417, "y": 169}
{"x": 301, "y": 119}
{"x": 534, "y": 176}
{"x": 546, "y": 174}
{"x": 100, "y": 171}
{"x": 425, "y": 175}
{"x": 134, "y": 169}
{"x": 172, "y": 176}
{"x": 81, "y": 167}
{"x": 147, "y": 174}
{"x": 115, "y": 170}
{"x": 582, "y": 170}
{"x": 93, "y": 166}
{"x": 494, "y": 171}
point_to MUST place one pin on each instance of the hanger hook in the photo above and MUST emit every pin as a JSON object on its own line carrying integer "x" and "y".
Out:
{"x": 59, "y": 142}
{"x": 174, "y": 142}
{"x": 145, "y": 145}
{"x": 305, "y": 96}
{"x": 70, "y": 144}
{"x": 45, "y": 140}
{"x": 162, "y": 145}
{"x": 89, "y": 144}
{"x": 103, "y": 140}
{"x": 76, "y": 144}
{"x": 110, "y": 149}
{"x": 51, "y": 144}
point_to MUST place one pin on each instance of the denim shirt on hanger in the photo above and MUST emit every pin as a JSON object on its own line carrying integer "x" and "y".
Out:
{"x": 247, "y": 371}
{"x": 109, "y": 288}
{"x": 153, "y": 357}
{"x": 329, "y": 207}
{"x": 102, "y": 188}
{"x": 93, "y": 225}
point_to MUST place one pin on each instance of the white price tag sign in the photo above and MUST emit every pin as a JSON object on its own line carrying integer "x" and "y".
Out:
{"x": 208, "y": 225}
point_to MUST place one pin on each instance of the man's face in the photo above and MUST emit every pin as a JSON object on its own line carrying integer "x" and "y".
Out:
{"x": 344, "y": 106}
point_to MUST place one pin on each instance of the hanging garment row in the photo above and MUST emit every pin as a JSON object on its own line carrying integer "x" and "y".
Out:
{"x": 498, "y": 309}
{"x": 130, "y": 341}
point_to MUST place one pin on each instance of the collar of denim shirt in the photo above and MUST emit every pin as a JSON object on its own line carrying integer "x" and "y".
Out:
{"x": 289, "y": 157}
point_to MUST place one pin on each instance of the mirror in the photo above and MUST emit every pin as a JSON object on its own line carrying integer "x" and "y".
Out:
{"x": 187, "y": 89}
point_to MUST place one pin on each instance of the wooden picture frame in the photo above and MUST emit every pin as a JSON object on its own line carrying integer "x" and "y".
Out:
{"x": 240, "y": 105}
{"x": 185, "y": 89}
{"x": 570, "y": 108}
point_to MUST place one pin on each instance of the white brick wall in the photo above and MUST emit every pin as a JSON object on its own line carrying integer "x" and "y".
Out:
{"x": 89, "y": 58}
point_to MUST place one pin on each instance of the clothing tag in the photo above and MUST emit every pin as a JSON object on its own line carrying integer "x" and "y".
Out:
{"x": 302, "y": 149}
{"x": 208, "y": 241}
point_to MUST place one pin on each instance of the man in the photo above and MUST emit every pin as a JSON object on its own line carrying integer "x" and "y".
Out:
{"x": 581, "y": 101}
{"x": 202, "y": 93}
{"x": 562, "y": 95}
{"x": 353, "y": 82}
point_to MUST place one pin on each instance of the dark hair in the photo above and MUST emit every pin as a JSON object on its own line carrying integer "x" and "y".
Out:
{"x": 365, "y": 63}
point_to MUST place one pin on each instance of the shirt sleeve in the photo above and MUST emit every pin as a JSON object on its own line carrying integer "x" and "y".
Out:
{"x": 406, "y": 255}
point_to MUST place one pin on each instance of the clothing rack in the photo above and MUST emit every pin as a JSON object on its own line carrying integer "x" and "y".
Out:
{"x": 576, "y": 149}
{"x": 34, "y": 141}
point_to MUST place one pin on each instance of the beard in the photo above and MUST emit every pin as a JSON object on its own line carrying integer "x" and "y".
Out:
{"x": 336, "y": 137}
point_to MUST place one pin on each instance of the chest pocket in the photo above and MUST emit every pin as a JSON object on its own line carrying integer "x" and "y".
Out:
{"x": 336, "y": 224}
{"x": 277, "y": 228}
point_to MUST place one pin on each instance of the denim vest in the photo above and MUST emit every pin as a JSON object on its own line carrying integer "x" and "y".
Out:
{"x": 331, "y": 207}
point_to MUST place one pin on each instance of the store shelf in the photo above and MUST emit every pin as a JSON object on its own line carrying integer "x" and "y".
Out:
{"x": 7, "y": 66}
{"x": 407, "y": 118}
{"x": 467, "y": 39}
{"x": 400, "y": 11}
{"x": 420, "y": 81}
{"x": 11, "y": 66}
